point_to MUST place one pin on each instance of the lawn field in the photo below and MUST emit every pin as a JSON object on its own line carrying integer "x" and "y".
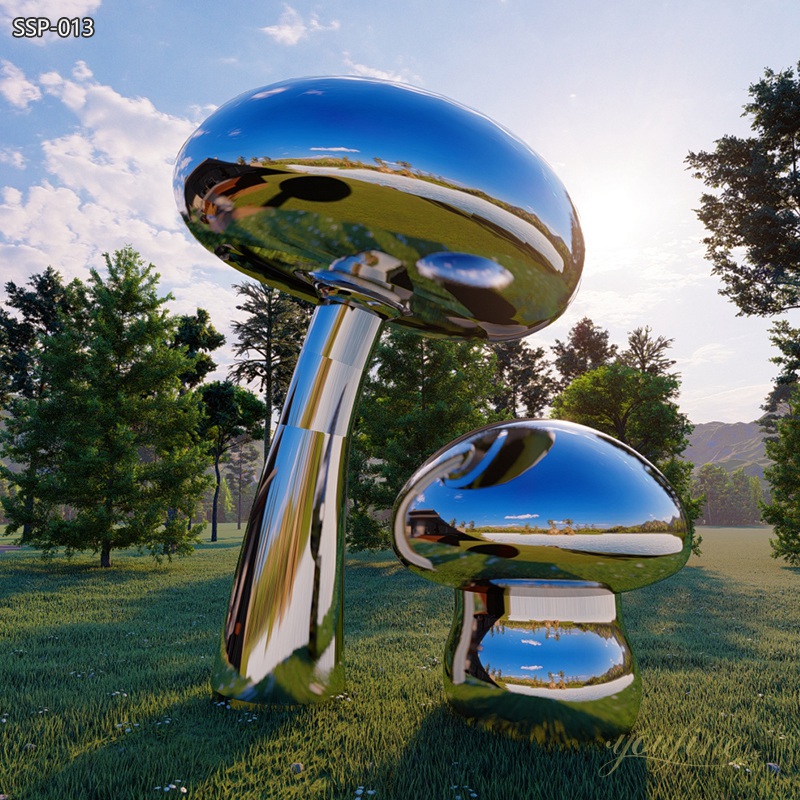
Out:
{"x": 104, "y": 690}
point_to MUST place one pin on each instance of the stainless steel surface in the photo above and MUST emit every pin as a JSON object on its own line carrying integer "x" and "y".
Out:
{"x": 548, "y": 659}
{"x": 282, "y": 639}
{"x": 537, "y": 524}
{"x": 378, "y": 201}
{"x": 470, "y": 232}
{"x": 540, "y": 499}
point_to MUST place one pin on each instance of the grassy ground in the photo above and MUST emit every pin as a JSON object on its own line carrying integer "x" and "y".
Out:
{"x": 104, "y": 690}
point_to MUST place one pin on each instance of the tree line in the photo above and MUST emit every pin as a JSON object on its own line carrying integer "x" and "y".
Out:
{"x": 109, "y": 428}
{"x": 751, "y": 213}
{"x": 421, "y": 393}
{"x": 112, "y": 436}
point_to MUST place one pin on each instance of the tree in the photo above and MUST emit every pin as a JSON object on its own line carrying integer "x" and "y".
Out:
{"x": 586, "y": 348}
{"x": 199, "y": 337}
{"x": 647, "y": 354}
{"x": 420, "y": 394}
{"x": 730, "y": 498}
{"x": 38, "y": 314}
{"x": 230, "y": 413}
{"x": 635, "y": 407}
{"x": 241, "y": 469}
{"x": 753, "y": 215}
{"x": 268, "y": 343}
{"x": 116, "y": 438}
{"x": 783, "y": 512}
{"x": 787, "y": 340}
{"x": 523, "y": 379}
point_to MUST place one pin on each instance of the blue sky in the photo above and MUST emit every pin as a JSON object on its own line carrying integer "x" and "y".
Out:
{"x": 612, "y": 95}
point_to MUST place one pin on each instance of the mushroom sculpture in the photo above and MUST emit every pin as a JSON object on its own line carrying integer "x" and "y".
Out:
{"x": 380, "y": 203}
{"x": 561, "y": 519}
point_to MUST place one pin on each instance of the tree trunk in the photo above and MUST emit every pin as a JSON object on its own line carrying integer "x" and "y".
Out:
{"x": 105, "y": 554}
{"x": 216, "y": 498}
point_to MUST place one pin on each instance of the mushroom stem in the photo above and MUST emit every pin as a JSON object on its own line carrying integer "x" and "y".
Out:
{"x": 283, "y": 636}
{"x": 548, "y": 659}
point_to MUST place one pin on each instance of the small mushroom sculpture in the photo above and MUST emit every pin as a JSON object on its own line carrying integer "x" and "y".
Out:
{"x": 538, "y": 525}
{"x": 380, "y": 203}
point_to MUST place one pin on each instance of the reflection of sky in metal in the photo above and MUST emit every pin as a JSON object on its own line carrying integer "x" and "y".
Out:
{"x": 582, "y": 477}
{"x": 435, "y": 136}
{"x": 580, "y": 654}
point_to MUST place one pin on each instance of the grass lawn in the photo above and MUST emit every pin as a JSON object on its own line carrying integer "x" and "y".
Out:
{"x": 104, "y": 690}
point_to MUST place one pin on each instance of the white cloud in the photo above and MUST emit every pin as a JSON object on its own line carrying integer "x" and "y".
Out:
{"x": 335, "y": 149}
{"x": 108, "y": 183}
{"x": 291, "y": 27}
{"x": 404, "y": 76}
{"x": 717, "y": 404}
{"x": 12, "y": 157}
{"x": 533, "y": 667}
{"x": 713, "y": 353}
{"x": 531, "y": 642}
{"x": 521, "y": 516}
{"x": 16, "y": 88}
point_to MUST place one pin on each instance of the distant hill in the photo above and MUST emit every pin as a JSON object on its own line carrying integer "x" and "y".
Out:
{"x": 730, "y": 445}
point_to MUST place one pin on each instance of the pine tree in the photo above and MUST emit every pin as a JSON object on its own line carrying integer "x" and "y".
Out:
{"x": 230, "y": 413}
{"x": 268, "y": 343}
{"x": 524, "y": 380}
{"x": 586, "y": 348}
{"x": 784, "y": 478}
{"x": 117, "y": 439}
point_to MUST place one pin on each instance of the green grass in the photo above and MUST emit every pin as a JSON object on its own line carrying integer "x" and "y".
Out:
{"x": 104, "y": 680}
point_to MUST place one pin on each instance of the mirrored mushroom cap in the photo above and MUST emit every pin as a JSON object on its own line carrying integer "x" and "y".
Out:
{"x": 388, "y": 197}
{"x": 540, "y": 500}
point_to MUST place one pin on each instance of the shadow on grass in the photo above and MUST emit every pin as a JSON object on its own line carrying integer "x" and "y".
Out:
{"x": 448, "y": 756}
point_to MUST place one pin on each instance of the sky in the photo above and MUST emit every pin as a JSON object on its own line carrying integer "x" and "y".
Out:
{"x": 613, "y": 95}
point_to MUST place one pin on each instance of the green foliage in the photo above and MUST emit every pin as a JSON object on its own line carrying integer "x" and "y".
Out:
{"x": 728, "y": 498}
{"x": 420, "y": 394}
{"x": 751, "y": 218}
{"x": 230, "y": 413}
{"x": 524, "y": 383}
{"x": 787, "y": 340}
{"x": 113, "y": 440}
{"x": 199, "y": 337}
{"x": 638, "y": 408}
{"x": 647, "y": 354}
{"x": 784, "y": 479}
{"x": 586, "y": 348}
{"x": 38, "y": 313}
{"x": 268, "y": 343}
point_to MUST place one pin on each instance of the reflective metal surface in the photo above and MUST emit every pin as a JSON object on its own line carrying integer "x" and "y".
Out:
{"x": 462, "y": 227}
{"x": 377, "y": 201}
{"x": 282, "y": 639}
{"x": 540, "y": 499}
{"x": 548, "y": 659}
{"x": 536, "y": 524}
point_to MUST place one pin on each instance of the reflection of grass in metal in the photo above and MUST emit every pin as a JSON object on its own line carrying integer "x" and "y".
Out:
{"x": 315, "y": 233}
{"x": 459, "y": 566}
{"x": 708, "y": 641}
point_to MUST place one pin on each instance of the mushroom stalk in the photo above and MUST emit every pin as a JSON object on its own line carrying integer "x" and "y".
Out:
{"x": 282, "y": 639}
